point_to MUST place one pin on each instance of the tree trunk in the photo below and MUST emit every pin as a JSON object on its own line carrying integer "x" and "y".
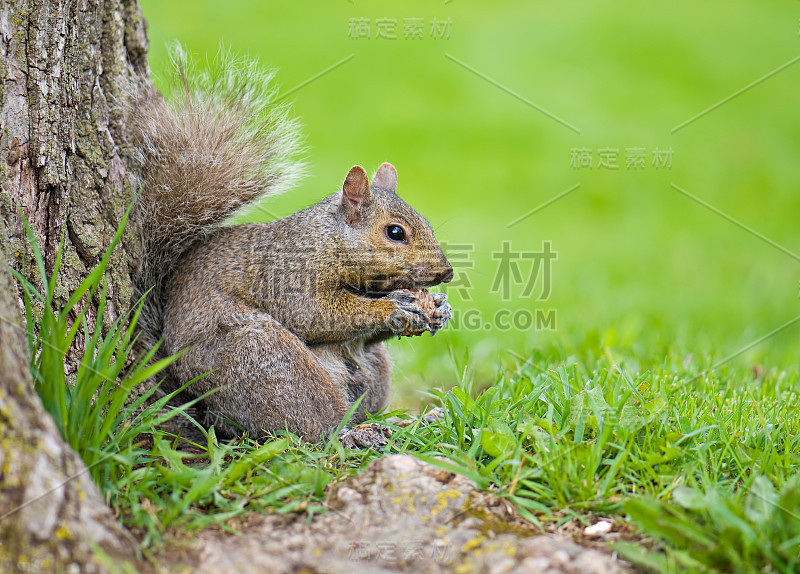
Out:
{"x": 69, "y": 71}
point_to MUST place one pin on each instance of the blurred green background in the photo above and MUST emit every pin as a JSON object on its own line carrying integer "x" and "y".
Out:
{"x": 641, "y": 267}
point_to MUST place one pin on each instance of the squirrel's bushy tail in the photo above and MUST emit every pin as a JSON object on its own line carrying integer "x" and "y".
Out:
{"x": 218, "y": 143}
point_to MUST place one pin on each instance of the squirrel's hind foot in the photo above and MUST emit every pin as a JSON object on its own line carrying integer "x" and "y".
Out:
{"x": 367, "y": 435}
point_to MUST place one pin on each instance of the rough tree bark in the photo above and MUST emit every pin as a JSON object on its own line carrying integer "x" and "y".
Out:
{"x": 68, "y": 72}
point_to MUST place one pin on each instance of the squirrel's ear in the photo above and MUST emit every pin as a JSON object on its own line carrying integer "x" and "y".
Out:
{"x": 386, "y": 177}
{"x": 355, "y": 194}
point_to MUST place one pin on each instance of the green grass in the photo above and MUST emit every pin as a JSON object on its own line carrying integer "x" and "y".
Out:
{"x": 694, "y": 459}
{"x": 93, "y": 410}
{"x": 705, "y": 464}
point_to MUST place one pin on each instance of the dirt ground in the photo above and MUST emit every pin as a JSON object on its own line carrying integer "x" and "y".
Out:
{"x": 399, "y": 515}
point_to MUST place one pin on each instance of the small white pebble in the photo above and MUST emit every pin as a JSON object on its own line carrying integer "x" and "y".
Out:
{"x": 559, "y": 558}
{"x": 346, "y": 494}
{"x": 601, "y": 528}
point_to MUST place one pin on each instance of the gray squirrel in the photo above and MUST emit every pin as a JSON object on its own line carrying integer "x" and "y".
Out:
{"x": 287, "y": 318}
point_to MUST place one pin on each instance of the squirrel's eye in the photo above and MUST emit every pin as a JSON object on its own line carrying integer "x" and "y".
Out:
{"x": 395, "y": 233}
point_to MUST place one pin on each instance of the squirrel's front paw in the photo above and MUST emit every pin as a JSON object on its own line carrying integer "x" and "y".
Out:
{"x": 367, "y": 435}
{"x": 408, "y": 318}
{"x": 442, "y": 314}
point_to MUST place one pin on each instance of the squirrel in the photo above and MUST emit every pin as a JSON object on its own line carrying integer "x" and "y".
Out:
{"x": 286, "y": 320}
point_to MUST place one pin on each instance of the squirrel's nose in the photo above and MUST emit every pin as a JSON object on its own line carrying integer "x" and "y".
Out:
{"x": 447, "y": 275}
